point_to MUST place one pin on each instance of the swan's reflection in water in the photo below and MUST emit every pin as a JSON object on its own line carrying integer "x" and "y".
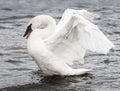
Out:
{"x": 64, "y": 83}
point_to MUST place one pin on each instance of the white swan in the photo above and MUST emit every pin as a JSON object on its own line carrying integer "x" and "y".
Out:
{"x": 56, "y": 46}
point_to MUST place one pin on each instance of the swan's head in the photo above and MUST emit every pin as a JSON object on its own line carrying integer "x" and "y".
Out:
{"x": 41, "y": 23}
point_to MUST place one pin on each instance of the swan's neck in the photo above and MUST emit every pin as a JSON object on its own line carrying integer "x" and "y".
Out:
{"x": 46, "y": 32}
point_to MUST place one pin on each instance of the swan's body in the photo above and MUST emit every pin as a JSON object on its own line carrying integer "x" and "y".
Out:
{"x": 56, "y": 46}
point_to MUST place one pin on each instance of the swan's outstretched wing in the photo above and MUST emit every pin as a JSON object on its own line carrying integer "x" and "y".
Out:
{"x": 75, "y": 34}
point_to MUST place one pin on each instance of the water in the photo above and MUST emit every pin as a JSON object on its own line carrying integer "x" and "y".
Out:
{"x": 20, "y": 73}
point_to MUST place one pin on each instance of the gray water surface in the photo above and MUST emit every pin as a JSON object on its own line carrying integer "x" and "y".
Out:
{"x": 19, "y": 72}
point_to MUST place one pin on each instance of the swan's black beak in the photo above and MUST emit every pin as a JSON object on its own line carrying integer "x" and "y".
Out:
{"x": 28, "y": 31}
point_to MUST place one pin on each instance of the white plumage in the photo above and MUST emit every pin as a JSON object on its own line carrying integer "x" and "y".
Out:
{"x": 56, "y": 46}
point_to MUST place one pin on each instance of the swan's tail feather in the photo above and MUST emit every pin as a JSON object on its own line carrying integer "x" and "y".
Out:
{"x": 79, "y": 71}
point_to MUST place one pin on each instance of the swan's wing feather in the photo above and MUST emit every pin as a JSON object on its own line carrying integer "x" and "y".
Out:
{"x": 74, "y": 35}
{"x": 91, "y": 38}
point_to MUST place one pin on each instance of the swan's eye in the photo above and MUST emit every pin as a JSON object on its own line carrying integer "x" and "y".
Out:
{"x": 43, "y": 26}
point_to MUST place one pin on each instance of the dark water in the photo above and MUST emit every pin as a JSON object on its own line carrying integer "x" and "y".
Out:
{"x": 20, "y": 73}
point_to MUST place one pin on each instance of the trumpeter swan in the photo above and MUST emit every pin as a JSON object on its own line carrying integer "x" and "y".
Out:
{"x": 56, "y": 46}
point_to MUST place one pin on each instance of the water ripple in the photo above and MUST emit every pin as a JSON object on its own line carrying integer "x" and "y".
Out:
{"x": 16, "y": 17}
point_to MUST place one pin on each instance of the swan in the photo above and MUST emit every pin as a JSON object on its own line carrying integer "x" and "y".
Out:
{"x": 55, "y": 47}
